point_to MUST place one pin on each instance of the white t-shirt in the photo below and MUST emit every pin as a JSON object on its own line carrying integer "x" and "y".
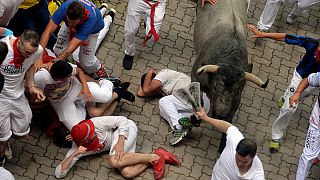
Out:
{"x": 55, "y": 90}
{"x": 226, "y": 166}
{"x": 172, "y": 80}
{"x": 7, "y": 10}
{"x": 13, "y": 86}
{"x": 5, "y": 174}
{"x": 314, "y": 80}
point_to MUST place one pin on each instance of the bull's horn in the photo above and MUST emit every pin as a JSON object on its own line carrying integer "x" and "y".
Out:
{"x": 251, "y": 77}
{"x": 208, "y": 68}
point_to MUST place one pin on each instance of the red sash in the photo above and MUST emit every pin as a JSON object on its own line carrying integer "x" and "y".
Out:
{"x": 152, "y": 30}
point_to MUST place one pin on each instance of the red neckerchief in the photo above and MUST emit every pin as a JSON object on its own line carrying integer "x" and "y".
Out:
{"x": 317, "y": 55}
{"x": 152, "y": 29}
{"x": 18, "y": 59}
{"x": 83, "y": 19}
{"x": 46, "y": 58}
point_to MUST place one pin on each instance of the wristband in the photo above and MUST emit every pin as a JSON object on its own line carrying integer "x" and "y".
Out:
{"x": 7, "y": 32}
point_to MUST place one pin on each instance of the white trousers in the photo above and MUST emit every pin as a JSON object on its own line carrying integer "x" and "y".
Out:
{"x": 270, "y": 11}
{"x": 102, "y": 34}
{"x": 129, "y": 147}
{"x": 311, "y": 148}
{"x": 15, "y": 117}
{"x": 135, "y": 9}
{"x": 71, "y": 109}
{"x": 286, "y": 112}
{"x": 172, "y": 109}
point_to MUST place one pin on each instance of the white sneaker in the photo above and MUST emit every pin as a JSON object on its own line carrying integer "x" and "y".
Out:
{"x": 291, "y": 18}
{"x": 8, "y": 152}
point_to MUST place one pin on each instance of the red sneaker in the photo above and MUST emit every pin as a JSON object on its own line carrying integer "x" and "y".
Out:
{"x": 316, "y": 161}
{"x": 169, "y": 157}
{"x": 158, "y": 167}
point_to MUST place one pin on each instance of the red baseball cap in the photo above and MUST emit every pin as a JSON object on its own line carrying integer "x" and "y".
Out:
{"x": 83, "y": 134}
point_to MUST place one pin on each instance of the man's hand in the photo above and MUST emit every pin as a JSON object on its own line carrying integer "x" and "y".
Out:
{"x": 80, "y": 150}
{"x": 37, "y": 93}
{"x": 293, "y": 100}
{"x": 256, "y": 32}
{"x": 47, "y": 66}
{"x": 213, "y": 2}
{"x": 119, "y": 150}
{"x": 87, "y": 93}
{"x": 202, "y": 114}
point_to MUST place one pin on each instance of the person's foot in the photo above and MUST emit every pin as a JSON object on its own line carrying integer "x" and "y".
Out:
{"x": 158, "y": 167}
{"x": 127, "y": 95}
{"x": 274, "y": 145}
{"x": 185, "y": 122}
{"x": 315, "y": 161}
{"x": 127, "y": 62}
{"x": 179, "y": 135}
{"x": 169, "y": 157}
{"x": 102, "y": 72}
{"x": 115, "y": 81}
{"x": 122, "y": 86}
{"x": 291, "y": 18}
{"x": 104, "y": 5}
{"x": 111, "y": 13}
{"x": 8, "y": 152}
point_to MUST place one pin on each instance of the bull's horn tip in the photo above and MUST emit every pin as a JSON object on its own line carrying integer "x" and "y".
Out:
{"x": 264, "y": 85}
{"x": 200, "y": 71}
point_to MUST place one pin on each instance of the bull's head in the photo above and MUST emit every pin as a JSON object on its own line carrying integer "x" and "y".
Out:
{"x": 224, "y": 85}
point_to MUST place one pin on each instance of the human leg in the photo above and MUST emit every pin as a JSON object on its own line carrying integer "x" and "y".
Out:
{"x": 286, "y": 112}
{"x": 299, "y": 8}
{"x": 101, "y": 91}
{"x": 311, "y": 149}
{"x": 5, "y": 127}
{"x": 62, "y": 40}
{"x": 103, "y": 109}
{"x": 269, "y": 14}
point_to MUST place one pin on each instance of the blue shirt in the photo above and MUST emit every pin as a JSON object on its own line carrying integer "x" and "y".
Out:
{"x": 307, "y": 64}
{"x": 92, "y": 25}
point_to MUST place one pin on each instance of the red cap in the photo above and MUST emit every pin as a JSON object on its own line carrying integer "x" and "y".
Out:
{"x": 83, "y": 134}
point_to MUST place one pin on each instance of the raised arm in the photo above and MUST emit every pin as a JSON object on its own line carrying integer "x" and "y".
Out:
{"x": 51, "y": 27}
{"x": 259, "y": 34}
{"x": 220, "y": 125}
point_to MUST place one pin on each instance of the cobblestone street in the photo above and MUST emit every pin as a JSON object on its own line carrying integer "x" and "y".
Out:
{"x": 38, "y": 157}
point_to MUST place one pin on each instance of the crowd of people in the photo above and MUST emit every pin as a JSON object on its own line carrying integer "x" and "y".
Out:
{"x": 48, "y": 50}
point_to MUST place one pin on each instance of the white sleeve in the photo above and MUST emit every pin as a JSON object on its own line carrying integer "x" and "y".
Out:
{"x": 162, "y": 76}
{"x": 234, "y": 136}
{"x": 314, "y": 79}
{"x": 74, "y": 69}
{"x": 41, "y": 78}
{"x": 112, "y": 122}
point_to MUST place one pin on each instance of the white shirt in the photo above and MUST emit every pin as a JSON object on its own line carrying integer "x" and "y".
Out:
{"x": 5, "y": 174}
{"x": 226, "y": 166}
{"x": 104, "y": 128}
{"x": 314, "y": 80}
{"x": 7, "y": 10}
{"x": 56, "y": 90}
{"x": 172, "y": 80}
{"x": 13, "y": 86}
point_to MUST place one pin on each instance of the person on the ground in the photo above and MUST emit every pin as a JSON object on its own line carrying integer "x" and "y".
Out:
{"x": 271, "y": 8}
{"x": 118, "y": 135}
{"x": 311, "y": 148}
{"x": 18, "y": 65}
{"x": 238, "y": 160}
{"x": 83, "y": 21}
{"x": 154, "y": 11}
{"x": 310, "y": 63}
{"x": 68, "y": 95}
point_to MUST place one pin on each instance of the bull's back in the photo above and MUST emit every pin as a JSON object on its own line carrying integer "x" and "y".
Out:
{"x": 226, "y": 18}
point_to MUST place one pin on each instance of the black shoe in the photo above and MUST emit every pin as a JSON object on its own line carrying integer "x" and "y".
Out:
{"x": 121, "y": 87}
{"x": 112, "y": 13}
{"x": 127, "y": 62}
{"x": 115, "y": 81}
{"x": 126, "y": 95}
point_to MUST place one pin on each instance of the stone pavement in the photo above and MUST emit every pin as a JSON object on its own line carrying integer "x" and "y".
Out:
{"x": 38, "y": 157}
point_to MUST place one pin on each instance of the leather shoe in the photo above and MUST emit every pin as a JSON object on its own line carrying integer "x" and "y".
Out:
{"x": 169, "y": 157}
{"x": 158, "y": 167}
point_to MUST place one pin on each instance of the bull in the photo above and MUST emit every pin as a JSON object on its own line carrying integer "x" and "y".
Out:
{"x": 221, "y": 64}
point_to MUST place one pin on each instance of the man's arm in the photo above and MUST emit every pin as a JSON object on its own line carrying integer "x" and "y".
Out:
{"x": 150, "y": 85}
{"x": 258, "y": 34}
{"x": 37, "y": 93}
{"x": 302, "y": 86}
{"x": 220, "y": 125}
{"x": 85, "y": 89}
{"x": 51, "y": 27}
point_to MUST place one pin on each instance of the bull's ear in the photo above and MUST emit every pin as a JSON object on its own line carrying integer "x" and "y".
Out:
{"x": 249, "y": 68}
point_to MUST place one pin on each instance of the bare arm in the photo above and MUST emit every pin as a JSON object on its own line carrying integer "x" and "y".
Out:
{"x": 65, "y": 165}
{"x": 220, "y": 125}
{"x": 258, "y": 34}
{"x": 73, "y": 45}
{"x": 302, "y": 86}
{"x": 85, "y": 89}
{"x": 51, "y": 27}
{"x": 37, "y": 93}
